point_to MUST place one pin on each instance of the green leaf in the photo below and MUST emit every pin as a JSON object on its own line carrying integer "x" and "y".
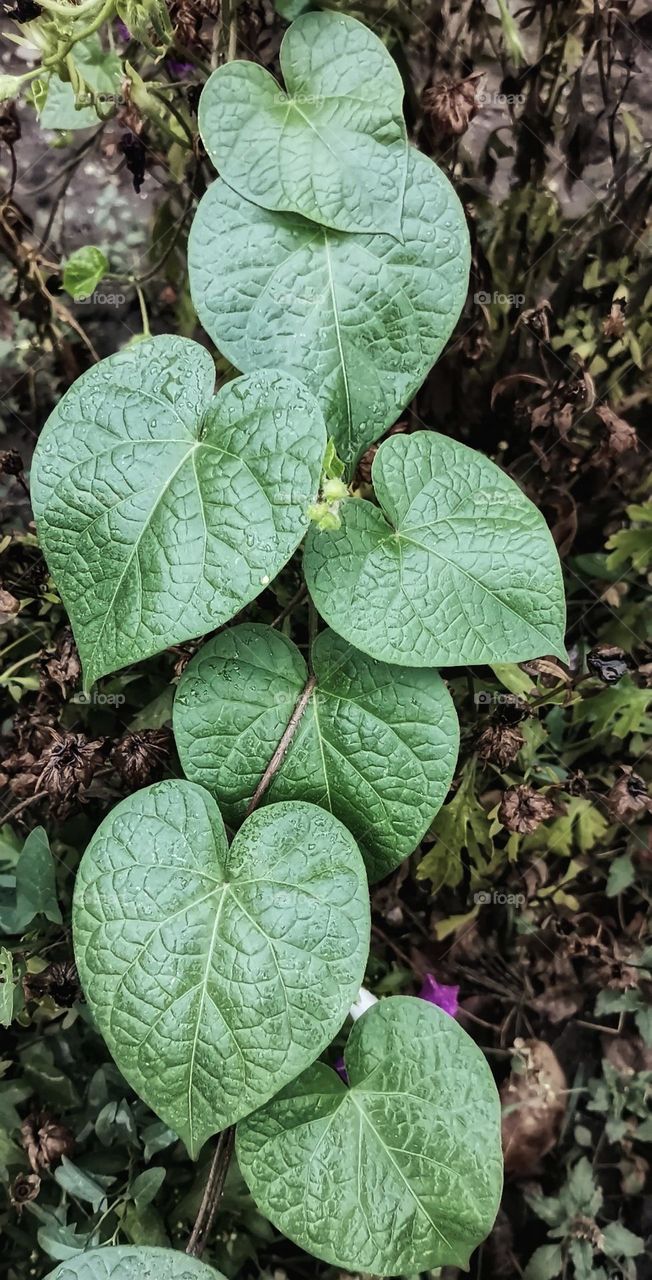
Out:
{"x": 619, "y": 1242}
{"x": 216, "y": 974}
{"x": 461, "y": 826}
{"x": 359, "y": 319}
{"x": 6, "y": 987}
{"x": 147, "y": 1185}
{"x": 162, "y": 510}
{"x": 455, "y": 567}
{"x": 621, "y": 875}
{"x": 333, "y": 146}
{"x": 83, "y": 271}
{"x": 100, "y": 70}
{"x": 401, "y": 1172}
{"x": 80, "y": 1184}
{"x": 290, "y": 9}
{"x": 127, "y": 1263}
{"x": 545, "y": 1263}
{"x": 36, "y": 889}
{"x": 376, "y": 745}
{"x": 10, "y": 87}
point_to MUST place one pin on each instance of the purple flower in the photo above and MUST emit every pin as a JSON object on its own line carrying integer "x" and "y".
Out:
{"x": 179, "y": 70}
{"x": 341, "y": 1069}
{"x": 122, "y": 32}
{"x": 438, "y": 993}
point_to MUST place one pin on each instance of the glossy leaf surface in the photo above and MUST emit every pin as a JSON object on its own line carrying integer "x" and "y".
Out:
{"x": 126, "y": 1263}
{"x": 216, "y": 974}
{"x": 332, "y": 146}
{"x": 359, "y": 319}
{"x": 399, "y": 1173}
{"x": 376, "y": 745}
{"x": 455, "y": 566}
{"x": 163, "y": 509}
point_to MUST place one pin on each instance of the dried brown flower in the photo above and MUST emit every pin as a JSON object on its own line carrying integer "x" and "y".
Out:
{"x": 522, "y": 809}
{"x": 45, "y": 1140}
{"x": 24, "y": 1188}
{"x": 61, "y": 666}
{"x": 59, "y": 980}
{"x": 69, "y": 765}
{"x": 621, "y": 437}
{"x": 629, "y": 798}
{"x": 450, "y": 106}
{"x": 614, "y": 325}
{"x": 141, "y": 758}
{"x": 9, "y": 606}
{"x": 500, "y": 743}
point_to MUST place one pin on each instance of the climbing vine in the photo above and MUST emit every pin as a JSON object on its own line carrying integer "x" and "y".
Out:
{"x": 329, "y": 263}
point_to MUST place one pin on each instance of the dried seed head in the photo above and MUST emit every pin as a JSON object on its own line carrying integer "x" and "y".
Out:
{"x": 451, "y": 105}
{"x": 500, "y": 744}
{"x": 629, "y": 798}
{"x": 69, "y": 765}
{"x": 24, "y": 1188}
{"x": 522, "y": 809}
{"x": 61, "y": 666}
{"x": 141, "y": 758}
{"x": 59, "y": 980}
{"x": 45, "y": 1140}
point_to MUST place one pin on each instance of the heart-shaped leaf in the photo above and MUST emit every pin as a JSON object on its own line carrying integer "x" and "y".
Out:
{"x": 216, "y": 974}
{"x": 399, "y": 1173}
{"x": 127, "y": 1263}
{"x": 359, "y": 319}
{"x": 376, "y": 745}
{"x": 161, "y": 509}
{"x": 456, "y": 566}
{"x": 333, "y": 146}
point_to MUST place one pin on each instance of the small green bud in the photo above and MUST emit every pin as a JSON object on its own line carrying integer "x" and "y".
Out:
{"x": 334, "y": 490}
{"x": 330, "y": 520}
{"x": 316, "y": 511}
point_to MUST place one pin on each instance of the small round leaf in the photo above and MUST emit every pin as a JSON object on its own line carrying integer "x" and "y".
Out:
{"x": 125, "y": 1262}
{"x": 216, "y": 974}
{"x": 399, "y": 1173}
{"x": 456, "y": 566}
{"x": 376, "y": 745}
{"x": 162, "y": 509}
{"x": 333, "y": 146}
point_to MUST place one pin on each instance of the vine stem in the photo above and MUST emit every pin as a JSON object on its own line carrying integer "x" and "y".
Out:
{"x": 279, "y": 755}
{"x": 225, "y": 1142}
{"x": 212, "y": 1193}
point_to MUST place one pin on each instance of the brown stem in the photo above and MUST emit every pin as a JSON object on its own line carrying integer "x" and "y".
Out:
{"x": 279, "y": 755}
{"x": 212, "y": 1193}
{"x": 24, "y": 804}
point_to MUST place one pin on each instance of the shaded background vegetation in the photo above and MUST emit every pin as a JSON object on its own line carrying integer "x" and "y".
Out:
{"x": 531, "y": 892}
